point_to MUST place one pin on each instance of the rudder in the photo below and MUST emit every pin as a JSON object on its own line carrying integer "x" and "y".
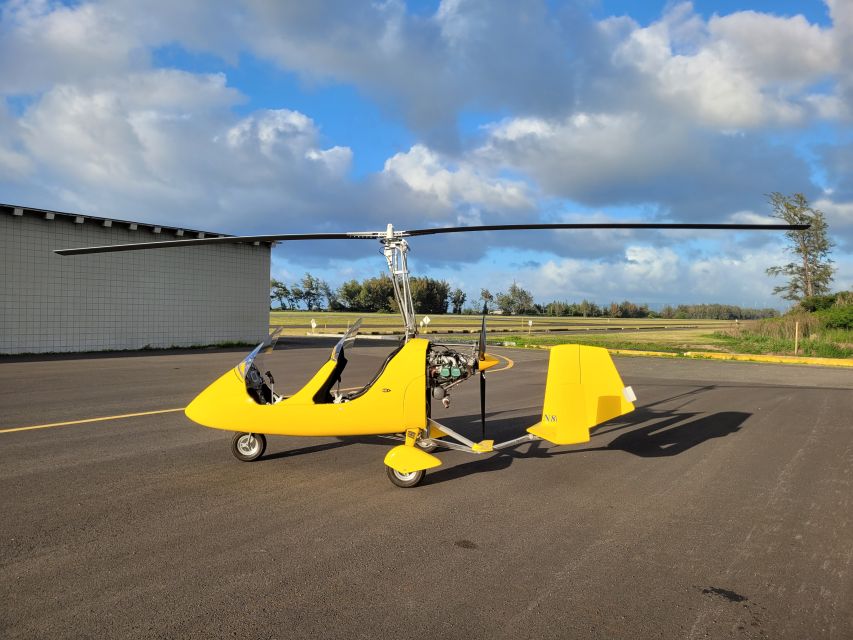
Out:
{"x": 583, "y": 389}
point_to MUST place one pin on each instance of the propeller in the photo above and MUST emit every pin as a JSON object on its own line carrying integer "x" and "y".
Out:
{"x": 481, "y": 353}
{"x": 390, "y": 234}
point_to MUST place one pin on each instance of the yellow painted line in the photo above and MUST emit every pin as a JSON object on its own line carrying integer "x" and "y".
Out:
{"x": 509, "y": 364}
{"x": 714, "y": 355}
{"x": 651, "y": 354}
{"x": 745, "y": 357}
{"x": 87, "y": 420}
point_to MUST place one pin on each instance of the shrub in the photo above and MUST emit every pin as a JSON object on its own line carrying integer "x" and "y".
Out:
{"x": 783, "y": 327}
{"x": 817, "y": 303}
{"x": 837, "y": 317}
{"x": 843, "y": 298}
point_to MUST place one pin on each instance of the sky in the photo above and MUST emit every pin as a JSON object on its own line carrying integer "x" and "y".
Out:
{"x": 262, "y": 116}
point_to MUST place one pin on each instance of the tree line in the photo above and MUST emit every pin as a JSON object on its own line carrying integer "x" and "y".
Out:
{"x": 376, "y": 295}
{"x": 371, "y": 295}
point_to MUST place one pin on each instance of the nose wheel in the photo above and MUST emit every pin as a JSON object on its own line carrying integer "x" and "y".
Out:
{"x": 248, "y": 447}
{"x": 405, "y": 480}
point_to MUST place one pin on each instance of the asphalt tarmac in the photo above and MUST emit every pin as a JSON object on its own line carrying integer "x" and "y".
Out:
{"x": 721, "y": 508}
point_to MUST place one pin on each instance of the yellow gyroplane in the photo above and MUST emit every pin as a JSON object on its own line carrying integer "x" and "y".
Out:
{"x": 583, "y": 388}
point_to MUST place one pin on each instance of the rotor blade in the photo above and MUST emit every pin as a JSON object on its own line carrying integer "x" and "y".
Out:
{"x": 483, "y": 405}
{"x": 192, "y": 242}
{"x": 609, "y": 225}
{"x": 373, "y": 235}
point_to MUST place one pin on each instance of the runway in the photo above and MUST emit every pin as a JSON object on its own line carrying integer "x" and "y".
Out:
{"x": 720, "y": 508}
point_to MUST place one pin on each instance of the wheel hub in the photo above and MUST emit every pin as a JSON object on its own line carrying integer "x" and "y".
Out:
{"x": 248, "y": 445}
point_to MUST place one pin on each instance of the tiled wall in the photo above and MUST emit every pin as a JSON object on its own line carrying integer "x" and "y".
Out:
{"x": 130, "y": 300}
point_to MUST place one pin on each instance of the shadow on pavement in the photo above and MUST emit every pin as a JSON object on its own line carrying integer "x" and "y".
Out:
{"x": 669, "y": 434}
{"x": 303, "y": 450}
{"x": 661, "y": 439}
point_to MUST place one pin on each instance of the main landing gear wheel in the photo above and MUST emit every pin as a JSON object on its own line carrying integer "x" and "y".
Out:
{"x": 248, "y": 446}
{"x": 405, "y": 480}
{"x": 426, "y": 445}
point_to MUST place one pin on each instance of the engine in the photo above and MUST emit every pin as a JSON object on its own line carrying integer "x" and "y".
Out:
{"x": 447, "y": 367}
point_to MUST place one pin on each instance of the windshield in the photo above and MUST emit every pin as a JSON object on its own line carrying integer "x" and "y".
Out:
{"x": 266, "y": 346}
{"x": 347, "y": 340}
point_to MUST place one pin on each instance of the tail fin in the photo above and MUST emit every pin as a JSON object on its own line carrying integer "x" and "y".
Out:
{"x": 583, "y": 390}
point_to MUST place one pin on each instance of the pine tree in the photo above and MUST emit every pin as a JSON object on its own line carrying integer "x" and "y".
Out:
{"x": 811, "y": 273}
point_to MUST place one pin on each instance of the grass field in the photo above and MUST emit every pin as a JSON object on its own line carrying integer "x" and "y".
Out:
{"x": 299, "y": 322}
{"x": 669, "y": 341}
{"x": 614, "y": 333}
{"x": 641, "y": 334}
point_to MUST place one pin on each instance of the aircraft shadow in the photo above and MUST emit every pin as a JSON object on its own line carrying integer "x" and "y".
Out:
{"x": 645, "y": 433}
{"x": 672, "y": 436}
{"x": 668, "y": 434}
{"x": 303, "y": 450}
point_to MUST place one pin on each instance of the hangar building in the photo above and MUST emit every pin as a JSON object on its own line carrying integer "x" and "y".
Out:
{"x": 160, "y": 298}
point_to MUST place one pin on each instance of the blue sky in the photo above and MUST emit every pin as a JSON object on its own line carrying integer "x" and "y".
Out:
{"x": 338, "y": 115}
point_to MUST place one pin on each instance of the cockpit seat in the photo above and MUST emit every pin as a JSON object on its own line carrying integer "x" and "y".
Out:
{"x": 324, "y": 393}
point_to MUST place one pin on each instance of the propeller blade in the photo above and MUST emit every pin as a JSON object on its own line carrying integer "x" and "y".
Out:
{"x": 481, "y": 353}
{"x": 608, "y": 225}
{"x": 483, "y": 405}
{"x": 481, "y": 347}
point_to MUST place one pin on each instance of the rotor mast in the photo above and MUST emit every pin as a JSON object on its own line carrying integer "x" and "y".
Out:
{"x": 395, "y": 249}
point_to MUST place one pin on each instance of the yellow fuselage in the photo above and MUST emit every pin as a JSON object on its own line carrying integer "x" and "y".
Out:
{"x": 396, "y": 401}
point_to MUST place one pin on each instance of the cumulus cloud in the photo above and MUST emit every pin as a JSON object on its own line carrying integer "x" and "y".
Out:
{"x": 839, "y": 218}
{"x": 685, "y": 118}
{"x": 741, "y": 70}
{"x": 14, "y": 161}
{"x": 842, "y": 20}
{"x": 166, "y": 144}
{"x": 423, "y": 171}
{"x": 641, "y": 158}
{"x": 427, "y": 68}
{"x": 653, "y": 275}
{"x": 42, "y": 43}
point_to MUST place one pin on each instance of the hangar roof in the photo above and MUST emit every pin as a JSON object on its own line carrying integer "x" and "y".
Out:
{"x": 47, "y": 214}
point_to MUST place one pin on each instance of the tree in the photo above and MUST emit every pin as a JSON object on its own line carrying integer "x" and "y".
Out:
{"x": 311, "y": 292}
{"x": 280, "y": 292}
{"x": 429, "y": 295}
{"x": 487, "y": 298}
{"x": 557, "y": 308}
{"x": 587, "y": 308}
{"x": 515, "y": 301}
{"x": 330, "y": 295}
{"x": 522, "y": 298}
{"x": 294, "y": 297}
{"x": 348, "y": 295}
{"x": 457, "y": 300}
{"x": 811, "y": 273}
{"x": 377, "y": 294}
